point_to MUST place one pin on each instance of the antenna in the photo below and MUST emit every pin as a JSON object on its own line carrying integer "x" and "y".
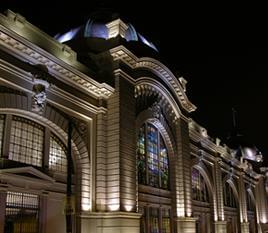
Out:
{"x": 235, "y": 124}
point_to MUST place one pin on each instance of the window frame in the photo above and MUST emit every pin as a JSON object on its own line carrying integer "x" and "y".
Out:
{"x": 145, "y": 127}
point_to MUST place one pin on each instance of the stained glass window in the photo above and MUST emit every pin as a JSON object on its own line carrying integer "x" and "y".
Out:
{"x": 57, "y": 155}
{"x": 26, "y": 141}
{"x": 199, "y": 188}
{"x": 152, "y": 155}
{"x": 163, "y": 161}
{"x": 1, "y": 132}
{"x": 153, "y": 166}
{"x": 22, "y": 212}
{"x": 165, "y": 221}
{"x": 228, "y": 195}
{"x": 141, "y": 156}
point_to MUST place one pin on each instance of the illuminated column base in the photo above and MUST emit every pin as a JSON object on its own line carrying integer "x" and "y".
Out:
{"x": 112, "y": 222}
{"x": 186, "y": 225}
{"x": 244, "y": 227}
{"x": 220, "y": 227}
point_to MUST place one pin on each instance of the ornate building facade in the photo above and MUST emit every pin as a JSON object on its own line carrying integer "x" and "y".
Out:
{"x": 140, "y": 163}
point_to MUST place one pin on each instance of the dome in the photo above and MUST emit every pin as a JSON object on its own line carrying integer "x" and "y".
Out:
{"x": 241, "y": 148}
{"x": 105, "y": 26}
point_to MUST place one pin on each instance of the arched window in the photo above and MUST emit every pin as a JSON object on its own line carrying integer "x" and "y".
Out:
{"x": 26, "y": 141}
{"x": 199, "y": 187}
{"x": 250, "y": 203}
{"x": 27, "y": 144}
{"x": 152, "y": 158}
{"x": 228, "y": 195}
{"x": 57, "y": 155}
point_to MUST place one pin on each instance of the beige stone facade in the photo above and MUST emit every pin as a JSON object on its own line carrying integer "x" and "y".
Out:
{"x": 44, "y": 85}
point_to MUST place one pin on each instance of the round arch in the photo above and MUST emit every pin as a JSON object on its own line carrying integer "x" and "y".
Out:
{"x": 160, "y": 123}
{"x": 200, "y": 166}
{"x": 146, "y": 85}
{"x": 58, "y": 123}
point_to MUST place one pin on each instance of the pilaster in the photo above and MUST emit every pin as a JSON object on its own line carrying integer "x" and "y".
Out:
{"x": 261, "y": 205}
{"x": 121, "y": 222}
{"x": 101, "y": 152}
{"x": 182, "y": 171}
{"x": 244, "y": 227}
{"x": 243, "y": 204}
{"x": 121, "y": 148}
{"x": 219, "y": 224}
{"x": 186, "y": 225}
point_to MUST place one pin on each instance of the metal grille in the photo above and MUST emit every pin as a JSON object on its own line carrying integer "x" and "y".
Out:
{"x": 57, "y": 155}
{"x": 26, "y": 142}
{"x": 22, "y": 211}
{"x": 2, "y": 121}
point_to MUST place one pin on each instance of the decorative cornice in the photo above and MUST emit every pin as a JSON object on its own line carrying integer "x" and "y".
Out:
{"x": 123, "y": 54}
{"x": 23, "y": 49}
{"x": 197, "y": 134}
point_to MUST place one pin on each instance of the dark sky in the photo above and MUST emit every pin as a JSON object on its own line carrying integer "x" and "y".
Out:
{"x": 221, "y": 49}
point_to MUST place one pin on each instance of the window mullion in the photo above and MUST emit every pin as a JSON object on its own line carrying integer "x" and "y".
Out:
{"x": 46, "y": 149}
{"x": 6, "y": 135}
{"x": 146, "y": 154}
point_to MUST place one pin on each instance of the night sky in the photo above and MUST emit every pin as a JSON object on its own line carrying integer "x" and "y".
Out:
{"x": 220, "y": 49}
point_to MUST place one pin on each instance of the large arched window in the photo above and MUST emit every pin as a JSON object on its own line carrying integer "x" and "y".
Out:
{"x": 199, "y": 187}
{"x": 228, "y": 195}
{"x": 27, "y": 144}
{"x": 152, "y": 158}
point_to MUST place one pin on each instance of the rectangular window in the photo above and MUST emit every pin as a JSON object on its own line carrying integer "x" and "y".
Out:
{"x": 154, "y": 220}
{"x": 165, "y": 221}
{"x": 22, "y": 212}
{"x": 26, "y": 141}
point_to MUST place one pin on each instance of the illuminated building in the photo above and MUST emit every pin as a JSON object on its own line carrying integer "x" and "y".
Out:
{"x": 141, "y": 164}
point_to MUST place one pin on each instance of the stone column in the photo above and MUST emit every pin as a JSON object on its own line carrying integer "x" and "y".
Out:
{"x": 261, "y": 204}
{"x": 220, "y": 224}
{"x": 120, "y": 180}
{"x": 243, "y": 204}
{"x": 185, "y": 223}
{"x": 101, "y": 153}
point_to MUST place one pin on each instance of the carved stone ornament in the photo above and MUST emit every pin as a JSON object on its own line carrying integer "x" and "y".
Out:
{"x": 156, "y": 110}
{"x": 39, "y": 95}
